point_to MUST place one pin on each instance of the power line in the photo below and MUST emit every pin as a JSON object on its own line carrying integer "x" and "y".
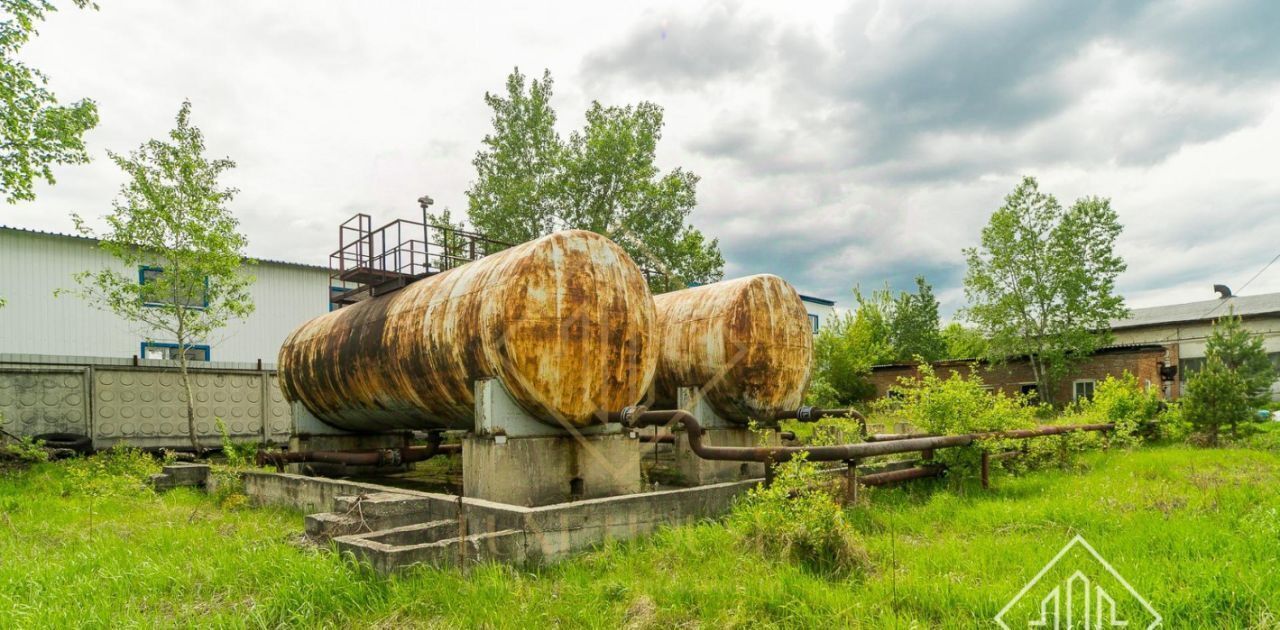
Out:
{"x": 1242, "y": 287}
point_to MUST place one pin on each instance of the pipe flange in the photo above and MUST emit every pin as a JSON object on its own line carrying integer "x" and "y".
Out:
{"x": 805, "y": 414}
{"x": 629, "y": 415}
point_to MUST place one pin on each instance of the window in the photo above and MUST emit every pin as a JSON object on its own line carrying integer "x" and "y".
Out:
{"x": 1031, "y": 391}
{"x": 1189, "y": 366}
{"x": 150, "y": 274}
{"x": 1083, "y": 389}
{"x": 334, "y": 292}
{"x": 169, "y": 351}
{"x": 813, "y": 323}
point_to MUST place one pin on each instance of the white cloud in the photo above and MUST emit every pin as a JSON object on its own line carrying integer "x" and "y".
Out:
{"x": 837, "y": 144}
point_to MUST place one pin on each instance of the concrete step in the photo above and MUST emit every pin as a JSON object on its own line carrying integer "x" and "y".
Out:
{"x": 178, "y": 475}
{"x": 435, "y": 543}
{"x": 383, "y": 504}
{"x": 355, "y": 514}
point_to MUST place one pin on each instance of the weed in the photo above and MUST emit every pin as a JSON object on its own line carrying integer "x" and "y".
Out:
{"x": 798, "y": 519}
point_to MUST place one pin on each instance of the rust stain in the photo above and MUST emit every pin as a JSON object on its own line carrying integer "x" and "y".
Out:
{"x": 746, "y": 342}
{"x": 566, "y": 321}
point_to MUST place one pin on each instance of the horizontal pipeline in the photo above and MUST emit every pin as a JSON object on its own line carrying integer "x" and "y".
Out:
{"x": 380, "y": 457}
{"x": 813, "y": 414}
{"x": 905, "y": 474}
{"x": 670, "y": 438}
{"x": 889, "y": 437}
{"x": 840, "y": 452}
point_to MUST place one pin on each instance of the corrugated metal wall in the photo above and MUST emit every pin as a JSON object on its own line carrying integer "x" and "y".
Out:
{"x": 33, "y": 265}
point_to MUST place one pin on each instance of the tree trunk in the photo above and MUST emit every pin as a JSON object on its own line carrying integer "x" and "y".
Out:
{"x": 186, "y": 386}
{"x": 1042, "y": 381}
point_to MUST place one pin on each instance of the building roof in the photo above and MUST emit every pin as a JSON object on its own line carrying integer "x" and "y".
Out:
{"x": 817, "y": 300}
{"x": 1120, "y": 348}
{"x": 1243, "y": 305}
{"x": 267, "y": 261}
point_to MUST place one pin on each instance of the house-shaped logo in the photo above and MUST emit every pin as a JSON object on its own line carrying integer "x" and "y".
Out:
{"x": 1078, "y": 588}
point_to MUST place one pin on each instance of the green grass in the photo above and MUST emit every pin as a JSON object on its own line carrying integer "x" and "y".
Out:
{"x": 1197, "y": 531}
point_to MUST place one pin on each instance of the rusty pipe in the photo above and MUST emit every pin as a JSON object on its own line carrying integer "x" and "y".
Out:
{"x": 889, "y": 437}
{"x": 840, "y": 452}
{"x": 905, "y": 474}
{"x": 380, "y": 457}
{"x": 813, "y": 414}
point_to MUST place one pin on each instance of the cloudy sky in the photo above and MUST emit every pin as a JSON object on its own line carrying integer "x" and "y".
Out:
{"x": 838, "y": 144}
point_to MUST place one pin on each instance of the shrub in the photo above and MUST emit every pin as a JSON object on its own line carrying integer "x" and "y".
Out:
{"x": 957, "y": 405}
{"x": 798, "y": 519}
{"x": 24, "y": 451}
{"x": 121, "y": 471}
{"x": 1124, "y": 402}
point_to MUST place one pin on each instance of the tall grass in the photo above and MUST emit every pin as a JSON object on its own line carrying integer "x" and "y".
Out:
{"x": 1194, "y": 530}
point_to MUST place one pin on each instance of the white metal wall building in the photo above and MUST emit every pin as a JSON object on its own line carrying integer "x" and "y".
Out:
{"x": 820, "y": 311}
{"x": 33, "y": 264}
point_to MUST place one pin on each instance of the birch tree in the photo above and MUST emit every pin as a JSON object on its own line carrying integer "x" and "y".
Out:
{"x": 171, "y": 228}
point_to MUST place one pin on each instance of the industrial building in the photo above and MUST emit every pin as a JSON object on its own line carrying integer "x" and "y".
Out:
{"x": 1184, "y": 328}
{"x": 35, "y": 322}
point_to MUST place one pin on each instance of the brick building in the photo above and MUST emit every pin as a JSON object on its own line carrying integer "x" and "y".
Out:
{"x": 1146, "y": 361}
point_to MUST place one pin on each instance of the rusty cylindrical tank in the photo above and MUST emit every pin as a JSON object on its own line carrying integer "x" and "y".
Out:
{"x": 565, "y": 321}
{"x": 746, "y": 342}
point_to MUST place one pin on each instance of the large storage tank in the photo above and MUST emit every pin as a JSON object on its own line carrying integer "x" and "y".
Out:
{"x": 566, "y": 321}
{"x": 747, "y": 342}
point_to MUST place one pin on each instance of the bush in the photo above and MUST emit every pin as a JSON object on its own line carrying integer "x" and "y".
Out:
{"x": 1124, "y": 402}
{"x": 24, "y": 451}
{"x": 798, "y": 519}
{"x": 957, "y": 405}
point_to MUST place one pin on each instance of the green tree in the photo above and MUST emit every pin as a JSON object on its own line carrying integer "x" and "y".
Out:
{"x": 1243, "y": 353}
{"x": 963, "y": 342}
{"x": 841, "y": 363}
{"x": 515, "y": 196}
{"x": 1042, "y": 282}
{"x": 1216, "y": 395}
{"x": 171, "y": 221}
{"x": 36, "y": 133}
{"x": 846, "y": 348}
{"x": 914, "y": 325}
{"x": 604, "y": 179}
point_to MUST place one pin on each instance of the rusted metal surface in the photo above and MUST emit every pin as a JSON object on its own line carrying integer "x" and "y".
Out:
{"x": 905, "y": 474}
{"x": 814, "y": 414}
{"x": 747, "y": 343}
{"x": 890, "y": 437}
{"x": 565, "y": 321}
{"x": 380, "y": 457}
{"x": 840, "y": 452}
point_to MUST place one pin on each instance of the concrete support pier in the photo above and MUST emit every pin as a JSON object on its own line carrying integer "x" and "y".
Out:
{"x": 514, "y": 459}
{"x": 694, "y": 470}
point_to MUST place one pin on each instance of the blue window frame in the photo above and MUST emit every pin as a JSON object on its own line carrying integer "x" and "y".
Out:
{"x": 146, "y": 272}
{"x": 170, "y": 351}
{"x": 333, "y": 293}
{"x": 813, "y": 322}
